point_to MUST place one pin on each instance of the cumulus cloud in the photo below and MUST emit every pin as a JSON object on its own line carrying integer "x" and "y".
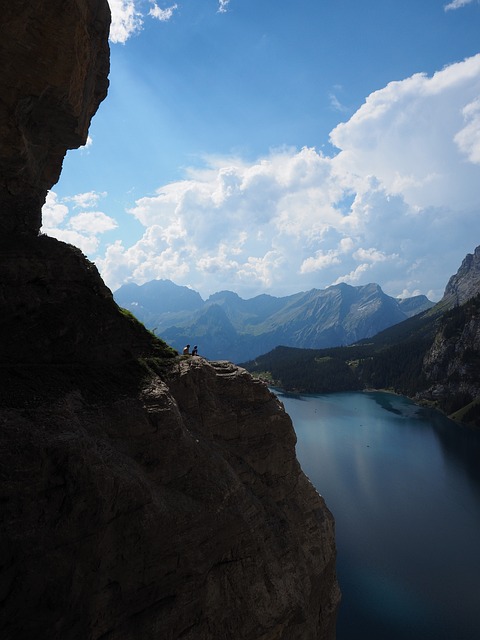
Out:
{"x": 86, "y": 200}
{"x": 409, "y": 134}
{"x": 92, "y": 222}
{"x": 457, "y": 4}
{"x": 53, "y": 212}
{"x": 398, "y": 204}
{"x": 80, "y": 229}
{"x": 126, "y": 20}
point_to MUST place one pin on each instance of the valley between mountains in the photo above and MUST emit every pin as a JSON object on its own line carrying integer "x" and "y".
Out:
{"x": 227, "y": 327}
{"x": 338, "y": 339}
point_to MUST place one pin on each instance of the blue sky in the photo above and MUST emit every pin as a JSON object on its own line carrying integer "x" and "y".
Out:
{"x": 273, "y": 147}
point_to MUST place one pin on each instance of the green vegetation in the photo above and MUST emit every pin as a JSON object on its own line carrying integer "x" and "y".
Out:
{"x": 307, "y": 370}
{"x": 394, "y": 360}
{"x": 390, "y": 360}
{"x": 161, "y": 348}
{"x": 266, "y": 376}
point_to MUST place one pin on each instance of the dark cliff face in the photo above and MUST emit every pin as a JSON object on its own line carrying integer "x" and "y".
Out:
{"x": 174, "y": 510}
{"x": 143, "y": 495}
{"x": 56, "y": 309}
{"x": 54, "y": 59}
{"x": 452, "y": 363}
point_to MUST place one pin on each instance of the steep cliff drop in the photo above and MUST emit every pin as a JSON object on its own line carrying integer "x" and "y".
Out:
{"x": 143, "y": 495}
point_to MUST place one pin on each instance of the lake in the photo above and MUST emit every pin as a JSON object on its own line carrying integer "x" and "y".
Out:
{"x": 403, "y": 484}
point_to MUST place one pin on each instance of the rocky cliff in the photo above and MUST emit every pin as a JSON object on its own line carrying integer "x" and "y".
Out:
{"x": 143, "y": 494}
{"x": 54, "y": 59}
{"x": 465, "y": 284}
{"x": 152, "y": 508}
{"x": 433, "y": 357}
{"x": 452, "y": 363}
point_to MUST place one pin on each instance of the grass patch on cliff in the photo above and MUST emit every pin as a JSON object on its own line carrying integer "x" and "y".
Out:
{"x": 162, "y": 349}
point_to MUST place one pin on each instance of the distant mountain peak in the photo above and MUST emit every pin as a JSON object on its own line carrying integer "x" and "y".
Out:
{"x": 465, "y": 284}
{"x": 227, "y": 326}
{"x": 224, "y": 295}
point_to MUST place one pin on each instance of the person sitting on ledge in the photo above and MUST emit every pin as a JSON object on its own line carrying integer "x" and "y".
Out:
{"x": 194, "y": 351}
{"x": 186, "y": 350}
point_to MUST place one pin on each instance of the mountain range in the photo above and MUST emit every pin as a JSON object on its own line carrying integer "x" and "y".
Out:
{"x": 433, "y": 357}
{"x": 226, "y": 326}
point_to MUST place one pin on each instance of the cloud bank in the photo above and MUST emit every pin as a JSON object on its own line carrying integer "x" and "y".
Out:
{"x": 398, "y": 204}
{"x": 81, "y": 228}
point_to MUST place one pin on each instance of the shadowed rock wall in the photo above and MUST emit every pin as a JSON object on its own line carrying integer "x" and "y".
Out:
{"x": 54, "y": 62}
{"x": 176, "y": 512}
{"x": 143, "y": 495}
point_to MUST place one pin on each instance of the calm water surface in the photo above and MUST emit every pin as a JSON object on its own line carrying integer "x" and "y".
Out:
{"x": 403, "y": 484}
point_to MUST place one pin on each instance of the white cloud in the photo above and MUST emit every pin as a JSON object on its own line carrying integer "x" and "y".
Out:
{"x": 53, "y": 212}
{"x": 223, "y": 5}
{"x": 81, "y": 229}
{"x": 355, "y": 277}
{"x": 162, "y": 14}
{"x": 398, "y": 204}
{"x": 88, "y": 244}
{"x": 371, "y": 255}
{"x": 335, "y": 102}
{"x": 88, "y": 143}
{"x": 86, "y": 200}
{"x": 406, "y": 136}
{"x": 126, "y": 20}
{"x": 468, "y": 138}
{"x": 319, "y": 261}
{"x": 92, "y": 222}
{"x": 457, "y": 4}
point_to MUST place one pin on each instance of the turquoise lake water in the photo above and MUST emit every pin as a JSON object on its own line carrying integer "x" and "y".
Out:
{"x": 403, "y": 484}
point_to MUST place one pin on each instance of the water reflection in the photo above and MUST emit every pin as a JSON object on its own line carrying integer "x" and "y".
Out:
{"x": 403, "y": 483}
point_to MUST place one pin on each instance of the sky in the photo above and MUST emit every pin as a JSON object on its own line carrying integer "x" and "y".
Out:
{"x": 271, "y": 146}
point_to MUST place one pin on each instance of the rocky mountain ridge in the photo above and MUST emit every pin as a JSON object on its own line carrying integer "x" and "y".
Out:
{"x": 465, "y": 284}
{"x": 226, "y": 326}
{"x": 433, "y": 357}
{"x": 144, "y": 495}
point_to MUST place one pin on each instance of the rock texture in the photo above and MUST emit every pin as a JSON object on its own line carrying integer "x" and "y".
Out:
{"x": 452, "y": 363}
{"x": 54, "y": 59}
{"x": 143, "y": 495}
{"x": 465, "y": 283}
{"x": 180, "y": 512}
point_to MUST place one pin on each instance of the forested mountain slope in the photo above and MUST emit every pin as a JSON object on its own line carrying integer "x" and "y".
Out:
{"x": 433, "y": 357}
{"x": 228, "y": 327}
